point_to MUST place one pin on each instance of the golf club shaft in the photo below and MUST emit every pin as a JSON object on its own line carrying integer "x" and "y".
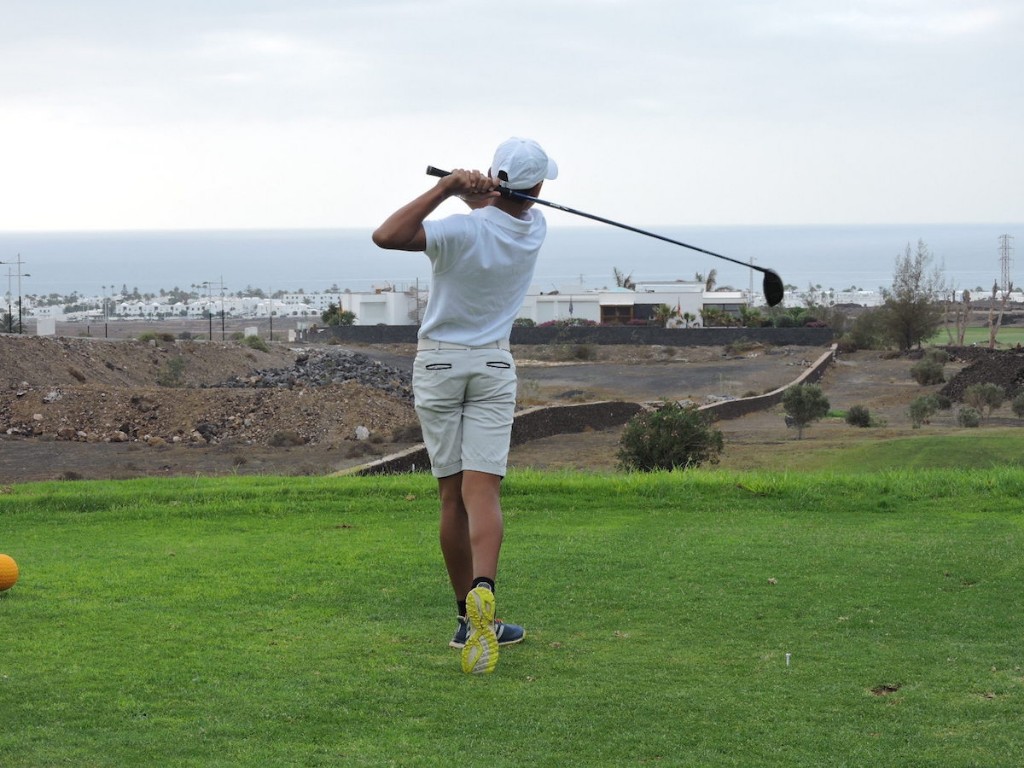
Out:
{"x": 432, "y": 171}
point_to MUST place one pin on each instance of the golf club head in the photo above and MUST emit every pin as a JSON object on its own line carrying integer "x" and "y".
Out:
{"x": 774, "y": 289}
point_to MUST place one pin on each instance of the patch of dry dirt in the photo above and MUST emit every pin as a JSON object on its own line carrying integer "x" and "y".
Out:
{"x": 82, "y": 408}
{"x": 761, "y": 441}
{"x": 863, "y": 378}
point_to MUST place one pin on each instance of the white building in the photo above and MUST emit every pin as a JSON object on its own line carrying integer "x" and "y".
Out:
{"x": 390, "y": 306}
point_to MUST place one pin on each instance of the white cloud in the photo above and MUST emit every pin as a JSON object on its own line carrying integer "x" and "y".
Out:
{"x": 314, "y": 113}
{"x": 915, "y": 21}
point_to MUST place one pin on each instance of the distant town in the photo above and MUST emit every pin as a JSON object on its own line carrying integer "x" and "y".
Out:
{"x": 391, "y": 304}
{"x": 690, "y": 304}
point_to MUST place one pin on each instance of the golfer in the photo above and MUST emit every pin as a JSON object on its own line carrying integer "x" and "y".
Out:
{"x": 464, "y": 377}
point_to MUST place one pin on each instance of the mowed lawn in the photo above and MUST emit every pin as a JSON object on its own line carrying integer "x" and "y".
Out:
{"x": 689, "y": 619}
{"x": 1007, "y": 336}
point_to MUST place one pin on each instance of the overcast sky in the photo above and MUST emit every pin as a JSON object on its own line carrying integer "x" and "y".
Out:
{"x": 310, "y": 113}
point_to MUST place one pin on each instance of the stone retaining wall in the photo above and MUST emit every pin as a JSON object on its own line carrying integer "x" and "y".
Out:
{"x": 732, "y": 409}
{"x": 597, "y": 334}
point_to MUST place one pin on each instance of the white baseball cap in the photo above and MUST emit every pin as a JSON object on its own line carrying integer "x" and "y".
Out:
{"x": 523, "y": 163}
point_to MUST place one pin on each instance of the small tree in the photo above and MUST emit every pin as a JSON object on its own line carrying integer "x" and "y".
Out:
{"x": 922, "y": 410}
{"x": 995, "y": 323}
{"x": 961, "y": 311}
{"x": 912, "y": 311}
{"x": 1018, "y": 406}
{"x": 804, "y": 403}
{"x": 672, "y": 437}
{"x": 984, "y": 398}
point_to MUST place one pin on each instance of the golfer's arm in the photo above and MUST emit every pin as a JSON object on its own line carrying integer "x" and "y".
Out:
{"x": 403, "y": 230}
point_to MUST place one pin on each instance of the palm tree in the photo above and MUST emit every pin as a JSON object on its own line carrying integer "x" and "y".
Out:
{"x": 663, "y": 313}
{"x": 709, "y": 284}
{"x": 623, "y": 280}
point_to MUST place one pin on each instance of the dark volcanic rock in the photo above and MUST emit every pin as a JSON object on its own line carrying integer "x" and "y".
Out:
{"x": 322, "y": 367}
{"x": 1002, "y": 367}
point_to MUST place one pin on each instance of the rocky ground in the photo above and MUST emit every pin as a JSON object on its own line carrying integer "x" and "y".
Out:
{"x": 208, "y": 407}
{"x": 85, "y": 408}
{"x": 1004, "y": 368}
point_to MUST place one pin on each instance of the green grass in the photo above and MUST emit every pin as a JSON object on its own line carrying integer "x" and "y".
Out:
{"x": 1008, "y": 336}
{"x": 987, "y": 448}
{"x": 991, "y": 448}
{"x": 304, "y": 622}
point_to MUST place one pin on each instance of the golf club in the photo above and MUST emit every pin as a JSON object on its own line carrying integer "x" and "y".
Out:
{"x": 774, "y": 290}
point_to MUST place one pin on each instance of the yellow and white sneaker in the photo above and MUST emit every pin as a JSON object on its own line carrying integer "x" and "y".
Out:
{"x": 480, "y": 654}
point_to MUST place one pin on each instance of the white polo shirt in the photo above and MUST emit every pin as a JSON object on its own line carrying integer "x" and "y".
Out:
{"x": 483, "y": 265}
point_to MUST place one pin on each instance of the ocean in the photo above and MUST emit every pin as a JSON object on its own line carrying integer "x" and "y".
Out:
{"x": 830, "y": 256}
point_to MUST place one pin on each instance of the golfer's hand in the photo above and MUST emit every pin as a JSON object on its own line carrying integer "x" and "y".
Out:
{"x": 474, "y": 187}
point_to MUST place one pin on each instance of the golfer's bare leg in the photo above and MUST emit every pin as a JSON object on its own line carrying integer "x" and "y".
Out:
{"x": 455, "y": 546}
{"x": 481, "y": 497}
{"x": 471, "y": 527}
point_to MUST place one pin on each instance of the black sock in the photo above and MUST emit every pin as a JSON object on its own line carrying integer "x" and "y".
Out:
{"x": 483, "y": 581}
{"x": 462, "y": 607}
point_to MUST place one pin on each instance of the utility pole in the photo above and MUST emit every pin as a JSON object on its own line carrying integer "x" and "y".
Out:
{"x": 208, "y": 284}
{"x": 750, "y": 289}
{"x": 19, "y": 274}
{"x": 10, "y": 317}
{"x": 1006, "y": 260}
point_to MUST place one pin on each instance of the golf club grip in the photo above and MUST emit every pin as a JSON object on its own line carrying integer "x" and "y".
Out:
{"x": 505, "y": 191}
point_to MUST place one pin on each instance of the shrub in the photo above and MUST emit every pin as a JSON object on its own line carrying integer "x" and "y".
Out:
{"x": 868, "y": 330}
{"x": 846, "y": 344}
{"x": 286, "y": 438}
{"x": 573, "y": 351}
{"x": 968, "y": 417}
{"x": 1018, "y": 405}
{"x": 927, "y": 371}
{"x": 173, "y": 373}
{"x": 922, "y": 410}
{"x": 786, "y": 321}
{"x": 255, "y": 342}
{"x": 858, "y": 416}
{"x": 584, "y": 352}
{"x": 741, "y": 346}
{"x": 575, "y": 322}
{"x": 672, "y": 437}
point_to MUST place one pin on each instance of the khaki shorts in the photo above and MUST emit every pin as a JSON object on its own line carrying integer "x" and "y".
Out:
{"x": 465, "y": 400}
